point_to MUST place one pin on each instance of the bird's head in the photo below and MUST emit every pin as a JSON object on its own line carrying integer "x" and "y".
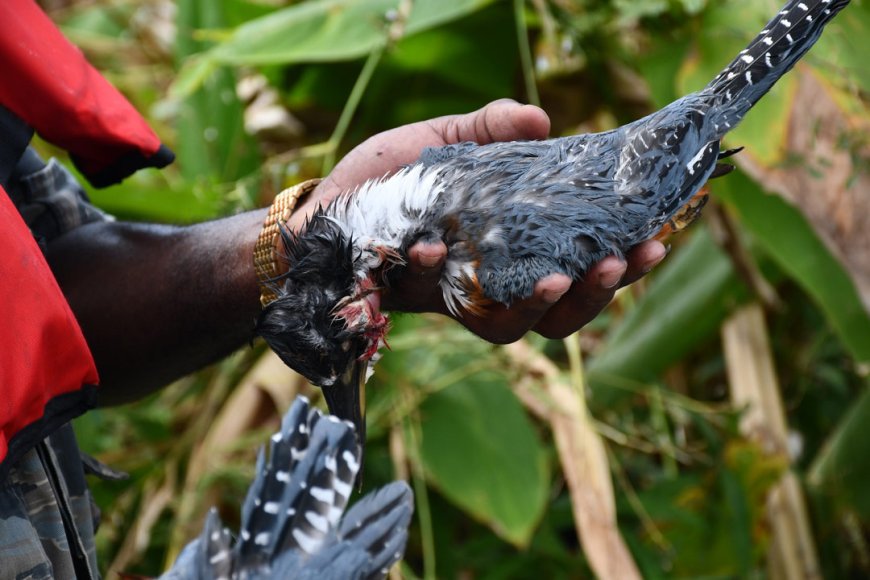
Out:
{"x": 326, "y": 323}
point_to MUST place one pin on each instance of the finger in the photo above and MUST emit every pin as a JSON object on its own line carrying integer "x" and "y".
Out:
{"x": 426, "y": 259}
{"x": 502, "y": 120}
{"x": 642, "y": 259}
{"x": 502, "y": 325}
{"x": 417, "y": 289}
{"x": 585, "y": 300}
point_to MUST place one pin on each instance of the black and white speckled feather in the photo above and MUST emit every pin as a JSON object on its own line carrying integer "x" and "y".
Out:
{"x": 292, "y": 524}
{"x": 370, "y": 539}
{"x": 209, "y": 557}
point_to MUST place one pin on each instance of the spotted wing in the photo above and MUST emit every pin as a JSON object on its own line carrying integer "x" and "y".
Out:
{"x": 370, "y": 539}
{"x": 290, "y": 517}
{"x": 206, "y": 558}
{"x": 664, "y": 161}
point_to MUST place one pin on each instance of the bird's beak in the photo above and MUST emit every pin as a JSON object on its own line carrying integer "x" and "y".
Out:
{"x": 346, "y": 397}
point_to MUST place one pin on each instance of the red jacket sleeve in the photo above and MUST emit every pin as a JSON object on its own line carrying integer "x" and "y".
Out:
{"x": 49, "y": 84}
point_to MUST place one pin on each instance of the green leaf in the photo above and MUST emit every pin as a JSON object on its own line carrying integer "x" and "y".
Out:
{"x": 468, "y": 54}
{"x": 737, "y": 516}
{"x": 319, "y": 31}
{"x": 784, "y": 234}
{"x": 193, "y": 73}
{"x": 331, "y": 30}
{"x": 841, "y": 470}
{"x": 660, "y": 65}
{"x": 726, "y": 32}
{"x": 686, "y": 301}
{"x": 96, "y": 22}
{"x": 456, "y": 67}
{"x": 148, "y": 195}
{"x": 480, "y": 449}
{"x": 631, "y": 10}
{"x": 326, "y": 30}
{"x": 693, "y": 6}
{"x": 142, "y": 198}
{"x": 212, "y": 143}
{"x": 842, "y": 44}
{"x": 713, "y": 526}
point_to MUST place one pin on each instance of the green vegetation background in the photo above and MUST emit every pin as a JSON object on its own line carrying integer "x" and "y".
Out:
{"x": 492, "y": 497}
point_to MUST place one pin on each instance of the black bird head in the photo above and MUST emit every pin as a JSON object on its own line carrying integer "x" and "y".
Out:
{"x": 326, "y": 323}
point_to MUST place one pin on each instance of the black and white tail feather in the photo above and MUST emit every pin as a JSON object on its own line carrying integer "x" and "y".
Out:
{"x": 777, "y": 48}
{"x": 292, "y": 524}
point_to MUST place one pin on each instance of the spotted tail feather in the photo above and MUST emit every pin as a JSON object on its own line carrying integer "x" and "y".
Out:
{"x": 302, "y": 491}
{"x": 290, "y": 517}
{"x": 206, "y": 558}
{"x": 776, "y": 49}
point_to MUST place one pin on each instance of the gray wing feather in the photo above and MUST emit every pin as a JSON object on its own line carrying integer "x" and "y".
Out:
{"x": 379, "y": 523}
{"x": 208, "y": 557}
{"x": 370, "y": 539}
{"x": 438, "y": 155}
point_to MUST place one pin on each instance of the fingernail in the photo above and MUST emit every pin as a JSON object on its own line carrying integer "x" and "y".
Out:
{"x": 429, "y": 260}
{"x": 655, "y": 263}
{"x": 551, "y": 296}
{"x": 610, "y": 279}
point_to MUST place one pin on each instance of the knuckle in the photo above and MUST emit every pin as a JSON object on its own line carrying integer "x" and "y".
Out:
{"x": 500, "y": 336}
{"x": 557, "y": 333}
{"x": 509, "y": 338}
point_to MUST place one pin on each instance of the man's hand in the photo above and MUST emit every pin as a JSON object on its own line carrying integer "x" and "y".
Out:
{"x": 557, "y": 307}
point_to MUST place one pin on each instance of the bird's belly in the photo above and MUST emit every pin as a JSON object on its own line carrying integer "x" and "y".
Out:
{"x": 502, "y": 263}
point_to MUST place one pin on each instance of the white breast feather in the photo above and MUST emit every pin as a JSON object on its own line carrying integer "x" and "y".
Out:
{"x": 381, "y": 211}
{"x": 452, "y": 288}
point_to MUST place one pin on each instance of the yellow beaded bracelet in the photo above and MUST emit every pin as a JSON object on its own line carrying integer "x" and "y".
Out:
{"x": 265, "y": 251}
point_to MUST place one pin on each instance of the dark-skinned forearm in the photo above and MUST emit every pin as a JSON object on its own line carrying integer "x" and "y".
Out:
{"x": 157, "y": 302}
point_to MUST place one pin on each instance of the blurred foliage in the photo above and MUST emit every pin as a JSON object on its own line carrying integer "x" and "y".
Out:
{"x": 492, "y": 500}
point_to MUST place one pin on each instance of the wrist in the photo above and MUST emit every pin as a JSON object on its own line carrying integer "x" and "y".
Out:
{"x": 268, "y": 249}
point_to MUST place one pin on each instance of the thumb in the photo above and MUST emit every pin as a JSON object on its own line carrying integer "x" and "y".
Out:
{"x": 502, "y": 120}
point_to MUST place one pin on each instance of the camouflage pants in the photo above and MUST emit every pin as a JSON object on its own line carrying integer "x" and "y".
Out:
{"x": 47, "y": 516}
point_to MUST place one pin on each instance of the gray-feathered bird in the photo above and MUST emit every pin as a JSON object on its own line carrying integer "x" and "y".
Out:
{"x": 290, "y": 518}
{"x": 510, "y": 214}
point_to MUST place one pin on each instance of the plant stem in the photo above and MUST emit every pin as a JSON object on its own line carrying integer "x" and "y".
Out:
{"x": 659, "y": 419}
{"x": 424, "y": 512}
{"x": 575, "y": 365}
{"x": 636, "y": 504}
{"x": 526, "y": 53}
{"x": 351, "y": 106}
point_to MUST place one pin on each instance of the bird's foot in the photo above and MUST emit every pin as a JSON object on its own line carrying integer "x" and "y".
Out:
{"x": 687, "y": 214}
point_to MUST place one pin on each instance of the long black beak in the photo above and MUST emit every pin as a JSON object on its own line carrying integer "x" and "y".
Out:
{"x": 346, "y": 399}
